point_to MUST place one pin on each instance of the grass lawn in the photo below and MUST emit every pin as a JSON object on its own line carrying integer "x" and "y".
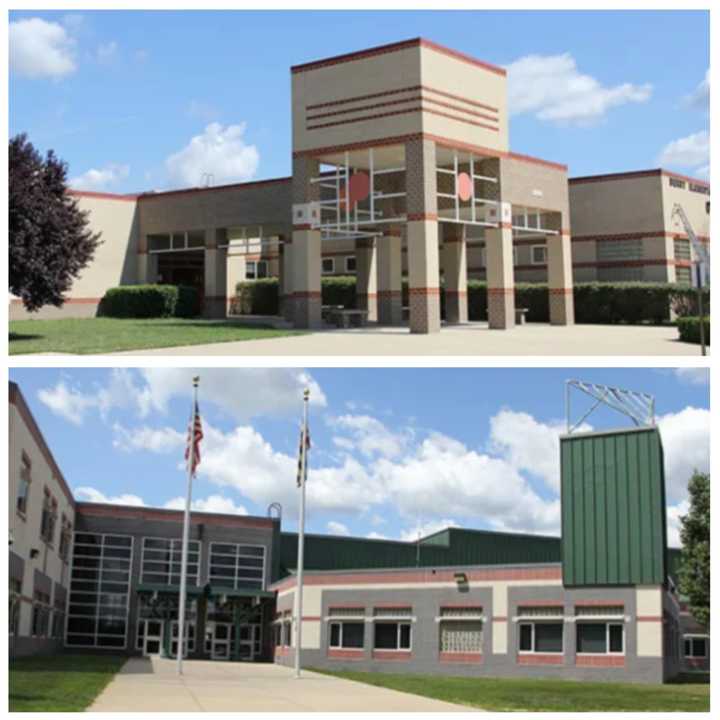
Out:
{"x": 102, "y": 335}
{"x": 59, "y": 683}
{"x": 496, "y": 694}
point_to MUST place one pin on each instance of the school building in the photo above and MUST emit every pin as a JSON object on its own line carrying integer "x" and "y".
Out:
{"x": 598, "y": 602}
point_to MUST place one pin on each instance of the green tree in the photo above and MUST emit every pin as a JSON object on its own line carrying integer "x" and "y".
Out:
{"x": 694, "y": 575}
{"x": 50, "y": 242}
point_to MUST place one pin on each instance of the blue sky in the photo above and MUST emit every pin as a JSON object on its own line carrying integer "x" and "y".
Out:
{"x": 394, "y": 450}
{"x": 121, "y": 95}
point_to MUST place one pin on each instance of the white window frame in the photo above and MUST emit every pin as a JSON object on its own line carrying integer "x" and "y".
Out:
{"x": 341, "y": 623}
{"x": 544, "y": 621}
{"x": 322, "y": 265}
{"x": 691, "y": 637}
{"x": 399, "y": 622}
{"x": 590, "y": 621}
{"x": 533, "y": 261}
{"x": 185, "y": 248}
{"x": 254, "y": 275}
{"x": 347, "y": 260}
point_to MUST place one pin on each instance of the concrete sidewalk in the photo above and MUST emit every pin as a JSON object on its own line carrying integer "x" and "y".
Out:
{"x": 473, "y": 339}
{"x": 152, "y": 685}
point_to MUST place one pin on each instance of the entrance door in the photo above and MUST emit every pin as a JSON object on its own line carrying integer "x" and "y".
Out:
{"x": 152, "y": 640}
{"x": 249, "y": 647}
{"x": 220, "y": 641}
{"x": 188, "y": 639}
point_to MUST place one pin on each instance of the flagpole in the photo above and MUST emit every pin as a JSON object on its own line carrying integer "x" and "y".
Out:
{"x": 186, "y": 532}
{"x": 301, "y": 537}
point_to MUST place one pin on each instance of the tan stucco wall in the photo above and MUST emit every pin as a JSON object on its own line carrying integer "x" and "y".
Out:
{"x": 26, "y": 531}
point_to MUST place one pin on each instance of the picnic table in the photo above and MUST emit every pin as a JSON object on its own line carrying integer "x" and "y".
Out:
{"x": 343, "y": 317}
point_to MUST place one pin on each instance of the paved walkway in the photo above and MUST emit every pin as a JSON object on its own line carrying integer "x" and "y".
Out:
{"x": 152, "y": 685}
{"x": 473, "y": 339}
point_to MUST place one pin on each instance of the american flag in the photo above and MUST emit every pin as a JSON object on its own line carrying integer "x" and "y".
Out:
{"x": 302, "y": 455}
{"x": 195, "y": 435}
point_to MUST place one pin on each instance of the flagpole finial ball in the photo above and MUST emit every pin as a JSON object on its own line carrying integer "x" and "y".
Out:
{"x": 306, "y": 393}
{"x": 196, "y": 380}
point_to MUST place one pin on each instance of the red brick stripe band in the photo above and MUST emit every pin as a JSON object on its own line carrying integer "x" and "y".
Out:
{"x": 424, "y": 291}
{"x": 389, "y": 293}
{"x": 306, "y": 226}
{"x": 633, "y": 263}
{"x": 536, "y": 659}
{"x": 391, "y": 655}
{"x": 346, "y": 654}
{"x": 500, "y": 291}
{"x": 635, "y": 174}
{"x": 599, "y": 603}
{"x": 460, "y": 657}
{"x": 307, "y": 295}
{"x": 649, "y": 234}
{"x": 421, "y": 217}
{"x": 600, "y": 661}
{"x": 648, "y": 618}
{"x": 456, "y": 293}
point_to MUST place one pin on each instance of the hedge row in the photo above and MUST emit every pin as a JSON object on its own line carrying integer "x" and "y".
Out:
{"x": 150, "y": 301}
{"x": 689, "y": 329}
{"x": 605, "y": 303}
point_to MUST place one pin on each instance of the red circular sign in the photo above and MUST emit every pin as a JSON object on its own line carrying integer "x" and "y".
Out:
{"x": 359, "y": 187}
{"x": 464, "y": 187}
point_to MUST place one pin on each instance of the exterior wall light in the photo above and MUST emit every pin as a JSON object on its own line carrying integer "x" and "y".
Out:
{"x": 461, "y": 578}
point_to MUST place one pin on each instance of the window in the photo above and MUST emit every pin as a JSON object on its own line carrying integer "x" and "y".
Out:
{"x": 461, "y": 630}
{"x": 286, "y": 636}
{"x": 162, "y": 558}
{"x": 41, "y": 614}
{"x": 24, "y": 485}
{"x": 237, "y": 566}
{"x": 393, "y": 634}
{"x": 347, "y": 634}
{"x": 14, "y": 606}
{"x": 328, "y": 266}
{"x": 48, "y": 518}
{"x": 350, "y": 264}
{"x": 695, "y": 647}
{"x": 541, "y": 637}
{"x": 58, "y": 624}
{"x": 538, "y": 254}
{"x": 65, "y": 538}
{"x": 256, "y": 269}
{"x": 178, "y": 241}
{"x": 619, "y": 249}
{"x": 600, "y": 638}
{"x": 99, "y": 590}
{"x": 674, "y": 182}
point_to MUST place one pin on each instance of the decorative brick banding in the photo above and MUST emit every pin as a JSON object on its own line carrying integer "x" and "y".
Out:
{"x": 391, "y": 655}
{"x": 458, "y": 657}
{"x": 600, "y": 660}
{"x": 540, "y": 659}
{"x": 345, "y": 654}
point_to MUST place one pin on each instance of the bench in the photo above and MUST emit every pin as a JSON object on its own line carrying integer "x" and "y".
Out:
{"x": 520, "y": 314}
{"x": 327, "y": 311}
{"x": 346, "y": 318}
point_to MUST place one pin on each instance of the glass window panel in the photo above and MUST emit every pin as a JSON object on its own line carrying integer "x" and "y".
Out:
{"x": 111, "y": 641}
{"x": 178, "y": 241}
{"x": 196, "y": 238}
{"x": 81, "y": 625}
{"x": 80, "y": 640}
{"x": 87, "y": 539}
{"x": 548, "y": 637}
{"x": 110, "y": 626}
{"x": 591, "y": 638}
{"x": 386, "y": 636}
{"x": 158, "y": 242}
{"x": 335, "y": 635}
{"x": 405, "y": 636}
{"x": 616, "y": 638}
{"x": 526, "y": 638}
{"x": 353, "y": 634}
{"x": 461, "y": 636}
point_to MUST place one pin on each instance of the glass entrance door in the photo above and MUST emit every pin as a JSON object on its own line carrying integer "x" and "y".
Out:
{"x": 220, "y": 639}
{"x": 152, "y": 637}
{"x": 250, "y": 642}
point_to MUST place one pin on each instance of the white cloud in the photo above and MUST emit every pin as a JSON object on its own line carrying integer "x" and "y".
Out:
{"x": 100, "y": 179}
{"x": 552, "y": 88}
{"x": 686, "y": 442}
{"x": 337, "y": 528}
{"x": 90, "y": 494}
{"x": 691, "y": 150}
{"x": 376, "y": 536}
{"x": 241, "y": 393}
{"x": 40, "y": 49}
{"x": 368, "y": 435}
{"x": 674, "y": 513}
{"x": 211, "y": 504}
{"x": 106, "y": 51}
{"x": 67, "y": 402}
{"x": 220, "y": 151}
{"x": 693, "y": 375}
{"x": 700, "y": 96}
{"x": 422, "y": 530}
{"x": 157, "y": 440}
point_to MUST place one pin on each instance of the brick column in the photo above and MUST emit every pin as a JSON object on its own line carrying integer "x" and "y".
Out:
{"x": 389, "y": 273}
{"x": 422, "y": 236}
{"x": 306, "y": 247}
{"x": 216, "y": 291}
{"x": 454, "y": 261}
{"x": 286, "y": 260}
{"x": 560, "y": 277}
{"x": 366, "y": 274}
{"x": 500, "y": 273}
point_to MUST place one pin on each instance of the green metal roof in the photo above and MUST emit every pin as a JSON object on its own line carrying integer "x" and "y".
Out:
{"x": 453, "y": 546}
{"x": 167, "y": 589}
{"x": 216, "y": 590}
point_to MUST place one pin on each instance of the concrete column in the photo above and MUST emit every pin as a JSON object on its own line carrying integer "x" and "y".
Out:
{"x": 236, "y": 266}
{"x": 286, "y": 300}
{"x": 422, "y": 236}
{"x": 217, "y": 293}
{"x": 366, "y": 276}
{"x": 500, "y": 275}
{"x": 560, "y": 277}
{"x": 146, "y": 263}
{"x": 389, "y": 272}
{"x": 306, "y": 251}
{"x": 454, "y": 263}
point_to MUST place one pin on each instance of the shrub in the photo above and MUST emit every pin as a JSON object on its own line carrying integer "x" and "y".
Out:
{"x": 150, "y": 301}
{"x": 257, "y": 297}
{"x": 689, "y": 329}
{"x": 339, "y": 290}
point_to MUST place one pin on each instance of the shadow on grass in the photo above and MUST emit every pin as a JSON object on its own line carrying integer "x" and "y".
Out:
{"x": 19, "y": 337}
{"x": 698, "y": 678}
